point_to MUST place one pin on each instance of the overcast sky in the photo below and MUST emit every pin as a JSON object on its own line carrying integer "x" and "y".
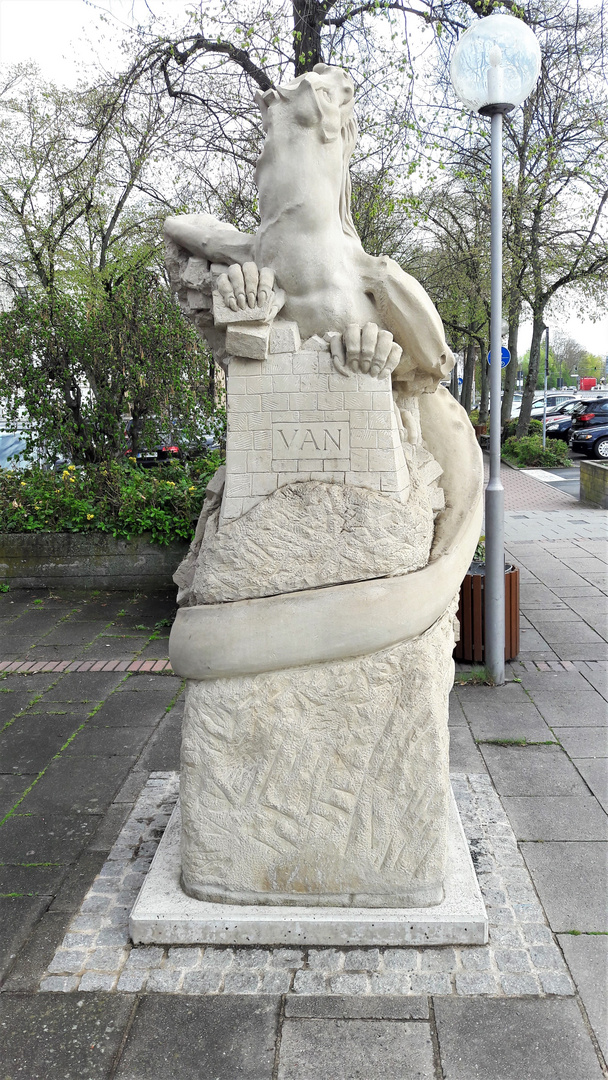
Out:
{"x": 60, "y": 35}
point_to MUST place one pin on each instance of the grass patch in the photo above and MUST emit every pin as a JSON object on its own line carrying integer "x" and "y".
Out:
{"x": 516, "y": 742}
{"x": 477, "y": 676}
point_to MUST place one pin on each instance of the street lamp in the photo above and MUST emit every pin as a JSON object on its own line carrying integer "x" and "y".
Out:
{"x": 494, "y": 67}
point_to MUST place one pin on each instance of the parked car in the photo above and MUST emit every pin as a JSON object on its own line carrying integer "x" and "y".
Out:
{"x": 554, "y": 398}
{"x": 171, "y": 448}
{"x": 590, "y": 429}
{"x": 559, "y": 420}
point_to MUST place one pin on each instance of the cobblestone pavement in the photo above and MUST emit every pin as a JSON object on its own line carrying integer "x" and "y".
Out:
{"x": 522, "y": 956}
{"x": 81, "y": 749}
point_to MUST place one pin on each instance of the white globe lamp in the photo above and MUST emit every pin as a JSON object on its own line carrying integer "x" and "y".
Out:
{"x": 495, "y": 64}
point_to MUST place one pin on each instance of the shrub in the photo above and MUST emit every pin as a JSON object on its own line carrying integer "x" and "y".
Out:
{"x": 474, "y": 417}
{"x": 529, "y": 451}
{"x": 113, "y": 497}
{"x": 535, "y": 427}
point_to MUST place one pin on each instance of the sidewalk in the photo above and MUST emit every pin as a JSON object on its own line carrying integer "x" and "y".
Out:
{"x": 88, "y": 767}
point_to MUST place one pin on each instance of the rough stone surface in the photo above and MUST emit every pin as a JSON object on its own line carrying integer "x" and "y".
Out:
{"x": 308, "y": 534}
{"x": 326, "y": 785}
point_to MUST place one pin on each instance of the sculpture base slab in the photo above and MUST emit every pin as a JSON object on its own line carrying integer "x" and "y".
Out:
{"x": 163, "y": 914}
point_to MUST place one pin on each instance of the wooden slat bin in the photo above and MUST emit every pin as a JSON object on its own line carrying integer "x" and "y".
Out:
{"x": 471, "y": 616}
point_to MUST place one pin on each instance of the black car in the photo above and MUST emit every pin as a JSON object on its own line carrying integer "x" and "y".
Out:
{"x": 590, "y": 429}
{"x": 559, "y": 420}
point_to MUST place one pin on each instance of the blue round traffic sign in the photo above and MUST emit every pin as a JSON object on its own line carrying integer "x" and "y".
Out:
{"x": 505, "y": 356}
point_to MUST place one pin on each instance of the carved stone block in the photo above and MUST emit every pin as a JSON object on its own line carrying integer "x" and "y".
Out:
{"x": 327, "y": 785}
{"x": 248, "y": 340}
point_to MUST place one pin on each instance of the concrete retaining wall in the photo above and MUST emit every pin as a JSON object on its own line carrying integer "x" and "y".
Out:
{"x": 594, "y": 483}
{"x": 87, "y": 561}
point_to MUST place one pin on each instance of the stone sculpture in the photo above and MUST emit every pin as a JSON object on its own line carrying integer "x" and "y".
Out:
{"x": 318, "y": 598}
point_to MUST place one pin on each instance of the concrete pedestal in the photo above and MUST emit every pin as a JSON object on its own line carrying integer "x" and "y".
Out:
{"x": 164, "y": 914}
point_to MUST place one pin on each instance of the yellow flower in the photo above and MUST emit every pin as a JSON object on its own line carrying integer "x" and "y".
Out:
{"x": 192, "y": 488}
{"x": 170, "y": 483}
{"x": 90, "y": 517}
{"x": 133, "y": 459}
{"x": 23, "y": 483}
{"x": 71, "y": 468}
{"x": 65, "y": 473}
{"x": 72, "y": 480}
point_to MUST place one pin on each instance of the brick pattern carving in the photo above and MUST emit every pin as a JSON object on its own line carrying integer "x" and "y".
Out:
{"x": 292, "y": 417}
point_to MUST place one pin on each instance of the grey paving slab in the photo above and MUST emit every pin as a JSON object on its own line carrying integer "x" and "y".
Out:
{"x": 464, "y": 755}
{"x": 571, "y": 650}
{"x": 11, "y": 788}
{"x": 163, "y": 753}
{"x": 34, "y": 684}
{"x": 597, "y": 677}
{"x": 35, "y": 955}
{"x": 75, "y": 884}
{"x": 110, "y": 825}
{"x": 61, "y": 1035}
{"x": 561, "y": 681}
{"x": 540, "y": 617}
{"x": 165, "y": 685}
{"x": 572, "y": 882}
{"x": 77, "y": 785}
{"x": 569, "y": 630}
{"x": 72, "y": 633}
{"x": 29, "y": 744}
{"x": 571, "y": 708}
{"x": 560, "y": 817}
{"x": 587, "y": 958}
{"x": 456, "y": 716}
{"x": 17, "y": 916}
{"x": 117, "y": 647}
{"x": 583, "y": 742}
{"x": 92, "y": 686}
{"x": 31, "y": 879}
{"x": 109, "y": 741}
{"x": 46, "y": 838}
{"x": 540, "y": 596}
{"x": 524, "y": 722}
{"x": 531, "y": 641}
{"x": 13, "y": 701}
{"x": 595, "y": 773}
{"x": 350, "y": 1007}
{"x": 195, "y": 1037}
{"x": 532, "y": 770}
{"x": 519, "y": 1039}
{"x": 122, "y": 710}
{"x": 355, "y": 1050}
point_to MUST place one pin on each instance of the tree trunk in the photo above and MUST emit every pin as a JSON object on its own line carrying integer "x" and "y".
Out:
{"x": 511, "y": 368}
{"x": 468, "y": 377}
{"x": 308, "y": 18}
{"x": 484, "y": 404}
{"x": 538, "y": 329}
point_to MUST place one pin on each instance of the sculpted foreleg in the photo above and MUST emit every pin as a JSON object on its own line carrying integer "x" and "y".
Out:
{"x": 207, "y": 238}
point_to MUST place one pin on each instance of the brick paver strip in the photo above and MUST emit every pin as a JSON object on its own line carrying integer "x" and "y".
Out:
{"x": 123, "y": 665}
{"x": 111, "y": 664}
{"x": 135, "y": 666}
{"x": 26, "y": 667}
{"x": 63, "y": 665}
{"x": 160, "y": 665}
{"x": 147, "y": 665}
{"x": 98, "y": 666}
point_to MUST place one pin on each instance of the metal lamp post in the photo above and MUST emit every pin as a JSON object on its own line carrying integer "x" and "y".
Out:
{"x": 494, "y": 67}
